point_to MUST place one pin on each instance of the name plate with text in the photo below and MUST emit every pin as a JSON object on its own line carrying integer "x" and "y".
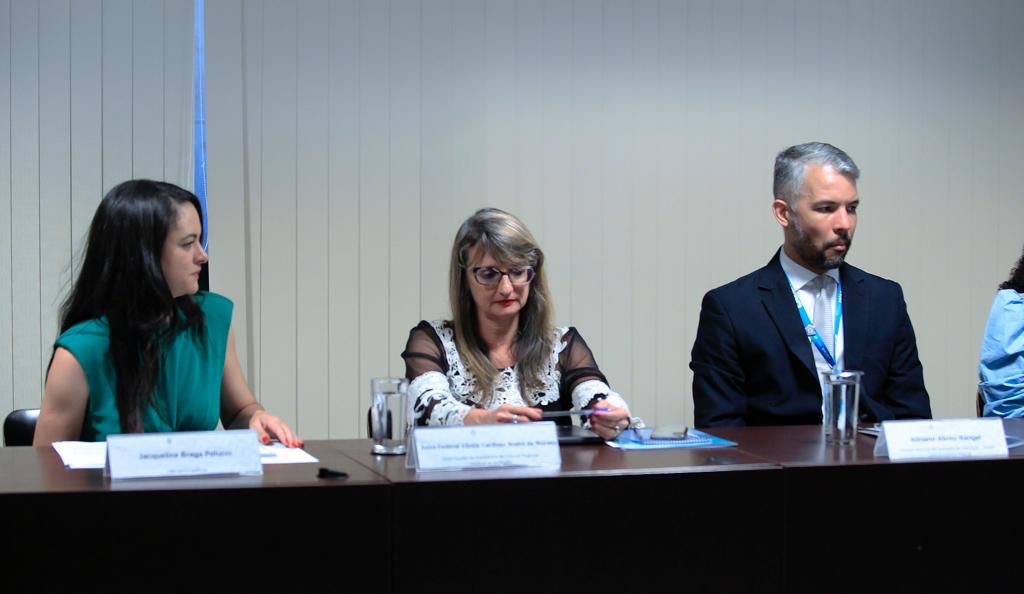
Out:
{"x": 945, "y": 439}
{"x": 156, "y": 455}
{"x": 484, "y": 446}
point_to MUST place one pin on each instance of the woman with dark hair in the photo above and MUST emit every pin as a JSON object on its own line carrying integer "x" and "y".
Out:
{"x": 141, "y": 349}
{"x": 1002, "y": 350}
{"x": 499, "y": 360}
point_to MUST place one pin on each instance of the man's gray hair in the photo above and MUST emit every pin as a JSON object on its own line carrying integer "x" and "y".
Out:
{"x": 791, "y": 163}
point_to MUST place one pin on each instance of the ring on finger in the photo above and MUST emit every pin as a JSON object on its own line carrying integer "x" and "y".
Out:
{"x": 515, "y": 418}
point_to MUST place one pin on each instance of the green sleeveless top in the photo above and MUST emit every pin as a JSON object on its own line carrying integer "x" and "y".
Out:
{"x": 187, "y": 392}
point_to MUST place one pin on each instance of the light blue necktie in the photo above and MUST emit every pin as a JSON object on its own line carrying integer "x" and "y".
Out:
{"x": 823, "y": 322}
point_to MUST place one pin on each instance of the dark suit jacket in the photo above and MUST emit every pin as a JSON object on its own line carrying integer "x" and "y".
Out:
{"x": 753, "y": 364}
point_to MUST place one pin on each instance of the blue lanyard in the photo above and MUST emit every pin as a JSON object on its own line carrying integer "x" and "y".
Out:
{"x": 812, "y": 332}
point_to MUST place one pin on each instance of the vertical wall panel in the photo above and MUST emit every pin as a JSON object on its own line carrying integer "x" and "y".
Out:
{"x": 980, "y": 161}
{"x": 86, "y": 138}
{"x": 645, "y": 262}
{"x": 374, "y": 190}
{"x": 1011, "y": 203}
{"x": 1009, "y": 238}
{"x": 467, "y": 104}
{"x": 177, "y": 65}
{"x": 148, "y": 91}
{"x": 587, "y": 172}
{"x": 346, "y": 388}
{"x": 675, "y": 261}
{"x": 724, "y": 114}
{"x": 972, "y": 297}
{"x": 556, "y": 96}
{"x": 615, "y": 275}
{"x": 118, "y": 43}
{"x": 404, "y": 166}
{"x": 757, "y": 132}
{"x": 880, "y": 167}
{"x": 807, "y": 69}
{"x": 311, "y": 225}
{"x": 55, "y": 245}
{"x": 226, "y": 106}
{"x": 252, "y": 188}
{"x": 6, "y": 222}
{"x": 25, "y": 204}
{"x": 911, "y": 119}
{"x": 930, "y": 137}
{"x": 278, "y": 225}
{"x": 767, "y": 32}
{"x": 501, "y": 124}
{"x": 437, "y": 123}
{"x": 527, "y": 24}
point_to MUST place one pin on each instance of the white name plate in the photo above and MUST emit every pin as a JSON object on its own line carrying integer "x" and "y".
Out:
{"x": 502, "y": 445}
{"x": 154, "y": 455}
{"x": 948, "y": 438}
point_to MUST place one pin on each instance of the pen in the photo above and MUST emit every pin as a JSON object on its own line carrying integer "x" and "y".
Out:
{"x": 552, "y": 414}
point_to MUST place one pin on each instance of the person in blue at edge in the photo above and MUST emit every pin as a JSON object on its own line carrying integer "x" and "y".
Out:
{"x": 756, "y": 361}
{"x": 141, "y": 349}
{"x": 1002, "y": 350}
{"x": 500, "y": 360}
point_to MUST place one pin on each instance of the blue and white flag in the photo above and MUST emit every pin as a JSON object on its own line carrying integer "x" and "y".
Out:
{"x": 199, "y": 87}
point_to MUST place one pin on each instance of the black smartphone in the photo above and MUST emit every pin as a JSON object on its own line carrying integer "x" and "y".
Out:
{"x": 670, "y": 433}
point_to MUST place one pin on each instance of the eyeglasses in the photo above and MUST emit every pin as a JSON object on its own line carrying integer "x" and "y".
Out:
{"x": 490, "y": 276}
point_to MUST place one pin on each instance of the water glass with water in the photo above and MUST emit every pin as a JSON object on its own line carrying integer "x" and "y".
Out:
{"x": 842, "y": 395}
{"x": 388, "y": 424}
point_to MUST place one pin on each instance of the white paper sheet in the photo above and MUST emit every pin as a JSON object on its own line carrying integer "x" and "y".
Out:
{"x": 280, "y": 454}
{"x": 82, "y": 454}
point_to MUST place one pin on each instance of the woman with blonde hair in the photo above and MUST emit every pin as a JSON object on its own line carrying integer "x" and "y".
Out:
{"x": 500, "y": 360}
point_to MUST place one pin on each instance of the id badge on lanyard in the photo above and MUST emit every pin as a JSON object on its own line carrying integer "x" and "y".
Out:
{"x": 812, "y": 332}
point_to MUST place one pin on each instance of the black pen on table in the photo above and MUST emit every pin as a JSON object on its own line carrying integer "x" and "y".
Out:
{"x": 553, "y": 414}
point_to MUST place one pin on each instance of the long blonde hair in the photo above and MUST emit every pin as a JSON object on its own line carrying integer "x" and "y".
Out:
{"x": 507, "y": 239}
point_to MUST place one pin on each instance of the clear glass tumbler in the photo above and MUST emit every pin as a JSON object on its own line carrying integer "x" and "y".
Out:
{"x": 388, "y": 424}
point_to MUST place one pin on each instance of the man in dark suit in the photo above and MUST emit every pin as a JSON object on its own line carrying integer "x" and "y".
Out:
{"x": 764, "y": 339}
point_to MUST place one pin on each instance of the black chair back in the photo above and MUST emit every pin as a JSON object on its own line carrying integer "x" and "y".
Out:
{"x": 20, "y": 427}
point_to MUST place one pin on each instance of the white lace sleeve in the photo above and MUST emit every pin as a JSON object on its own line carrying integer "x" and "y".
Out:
{"x": 586, "y": 391}
{"x": 431, "y": 401}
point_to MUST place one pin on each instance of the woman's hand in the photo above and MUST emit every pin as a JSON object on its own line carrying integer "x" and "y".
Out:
{"x": 267, "y": 425}
{"x": 608, "y": 421}
{"x": 506, "y": 413}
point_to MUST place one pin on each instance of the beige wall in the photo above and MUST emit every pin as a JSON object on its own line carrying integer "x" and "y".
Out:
{"x": 348, "y": 139}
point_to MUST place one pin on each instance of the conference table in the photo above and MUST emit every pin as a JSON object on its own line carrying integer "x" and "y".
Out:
{"x": 75, "y": 526}
{"x": 780, "y": 512}
{"x": 607, "y": 519}
{"x": 921, "y": 526}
